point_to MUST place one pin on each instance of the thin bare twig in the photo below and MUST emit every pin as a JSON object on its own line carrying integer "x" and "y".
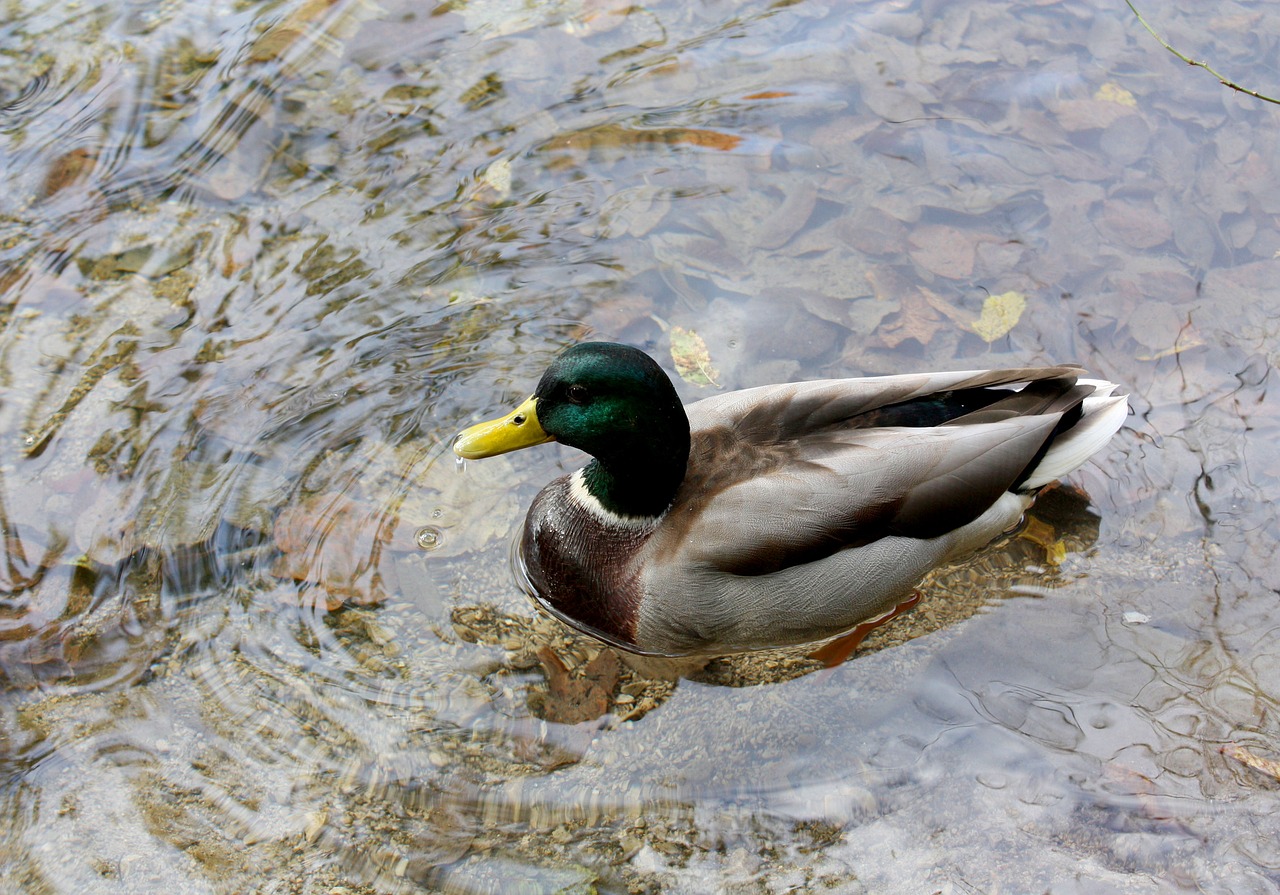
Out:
{"x": 1225, "y": 82}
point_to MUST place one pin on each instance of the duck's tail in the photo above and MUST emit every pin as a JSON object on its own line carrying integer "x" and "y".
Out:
{"x": 1101, "y": 416}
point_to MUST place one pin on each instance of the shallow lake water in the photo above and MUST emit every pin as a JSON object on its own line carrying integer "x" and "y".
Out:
{"x": 260, "y": 261}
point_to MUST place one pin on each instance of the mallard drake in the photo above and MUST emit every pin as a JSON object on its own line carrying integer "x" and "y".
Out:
{"x": 778, "y": 515}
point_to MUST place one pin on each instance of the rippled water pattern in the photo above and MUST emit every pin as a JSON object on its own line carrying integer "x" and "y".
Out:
{"x": 260, "y": 261}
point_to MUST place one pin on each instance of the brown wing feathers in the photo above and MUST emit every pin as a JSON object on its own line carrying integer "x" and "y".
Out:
{"x": 947, "y": 483}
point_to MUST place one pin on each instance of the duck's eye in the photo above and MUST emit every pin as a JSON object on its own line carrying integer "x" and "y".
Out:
{"x": 577, "y": 394}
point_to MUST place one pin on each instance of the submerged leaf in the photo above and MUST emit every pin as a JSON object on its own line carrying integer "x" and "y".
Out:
{"x": 67, "y": 169}
{"x": 1113, "y": 92}
{"x": 1185, "y": 342}
{"x": 1137, "y": 224}
{"x": 693, "y": 362}
{"x": 1089, "y": 114}
{"x": 922, "y": 316}
{"x": 785, "y": 222}
{"x": 704, "y": 138}
{"x": 1000, "y": 314}
{"x": 284, "y": 34}
{"x": 331, "y": 541}
{"x": 574, "y": 699}
{"x": 498, "y": 178}
{"x": 1241, "y": 754}
{"x": 1162, "y": 330}
{"x": 943, "y": 250}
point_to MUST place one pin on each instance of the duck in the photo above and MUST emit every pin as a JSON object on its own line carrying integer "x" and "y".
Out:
{"x": 784, "y": 514}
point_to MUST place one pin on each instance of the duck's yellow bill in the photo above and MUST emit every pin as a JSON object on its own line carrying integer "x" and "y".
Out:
{"x": 518, "y": 429}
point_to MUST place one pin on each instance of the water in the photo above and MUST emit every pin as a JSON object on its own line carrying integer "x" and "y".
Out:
{"x": 259, "y": 263}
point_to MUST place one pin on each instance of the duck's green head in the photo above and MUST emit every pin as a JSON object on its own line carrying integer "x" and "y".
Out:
{"x": 612, "y": 401}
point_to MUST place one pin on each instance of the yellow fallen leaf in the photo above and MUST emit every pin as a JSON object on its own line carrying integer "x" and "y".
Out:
{"x": 1000, "y": 314}
{"x": 1113, "y": 93}
{"x": 498, "y": 178}
{"x": 1257, "y": 762}
{"x": 693, "y": 361}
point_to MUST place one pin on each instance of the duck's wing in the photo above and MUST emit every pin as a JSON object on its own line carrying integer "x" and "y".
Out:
{"x": 788, "y": 410}
{"x": 776, "y": 479}
{"x": 848, "y": 490}
{"x": 790, "y": 527}
{"x": 838, "y": 533}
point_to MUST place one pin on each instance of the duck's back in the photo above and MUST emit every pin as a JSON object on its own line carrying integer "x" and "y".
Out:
{"x": 812, "y": 506}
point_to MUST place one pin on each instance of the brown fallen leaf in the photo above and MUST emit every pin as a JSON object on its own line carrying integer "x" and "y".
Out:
{"x": 707, "y": 139}
{"x": 788, "y": 218}
{"x": 331, "y": 541}
{"x": 616, "y": 312}
{"x": 872, "y": 231}
{"x": 293, "y": 27}
{"x": 923, "y": 315}
{"x": 612, "y": 136}
{"x": 69, "y": 168}
{"x": 600, "y": 16}
{"x": 1236, "y": 22}
{"x": 1162, "y": 330}
{"x": 887, "y": 283}
{"x": 1242, "y": 754}
{"x": 236, "y": 251}
{"x": 1121, "y": 780}
{"x": 1136, "y": 224}
{"x": 1089, "y": 114}
{"x": 572, "y": 700}
{"x": 915, "y": 321}
{"x": 944, "y": 250}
